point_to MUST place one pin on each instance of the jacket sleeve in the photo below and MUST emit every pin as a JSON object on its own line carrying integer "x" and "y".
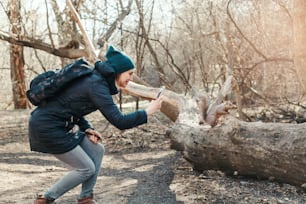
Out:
{"x": 84, "y": 124}
{"x": 100, "y": 95}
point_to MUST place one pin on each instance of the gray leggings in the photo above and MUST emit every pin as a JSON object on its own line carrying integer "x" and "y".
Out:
{"x": 85, "y": 159}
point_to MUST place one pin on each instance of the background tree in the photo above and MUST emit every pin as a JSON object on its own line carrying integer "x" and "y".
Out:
{"x": 299, "y": 39}
{"x": 17, "y": 57}
{"x": 193, "y": 45}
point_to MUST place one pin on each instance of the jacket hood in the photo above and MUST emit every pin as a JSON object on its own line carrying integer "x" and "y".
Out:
{"x": 108, "y": 72}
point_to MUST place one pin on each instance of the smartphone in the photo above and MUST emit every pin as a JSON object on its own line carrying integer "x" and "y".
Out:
{"x": 160, "y": 92}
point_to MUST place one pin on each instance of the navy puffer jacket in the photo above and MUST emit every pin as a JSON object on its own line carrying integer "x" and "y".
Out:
{"x": 52, "y": 126}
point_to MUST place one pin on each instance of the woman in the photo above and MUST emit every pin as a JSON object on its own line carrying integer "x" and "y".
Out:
{"x": 59, "y": 127}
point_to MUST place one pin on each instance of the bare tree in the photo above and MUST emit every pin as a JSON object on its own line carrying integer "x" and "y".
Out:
{"x": 299, "y": 40}
{"x": 207, "y": 41}
{"x": 145, "y": 35}
{"x": 17, "y": 58}
{"x": 59, "y": 38}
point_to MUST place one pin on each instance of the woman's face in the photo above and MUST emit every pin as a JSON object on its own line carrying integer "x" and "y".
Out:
{"x": 123, "y": 79}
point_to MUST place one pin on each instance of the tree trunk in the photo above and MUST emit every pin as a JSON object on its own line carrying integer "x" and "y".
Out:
{"x": 17, "y": 59}
{"x": 299, "y": 40}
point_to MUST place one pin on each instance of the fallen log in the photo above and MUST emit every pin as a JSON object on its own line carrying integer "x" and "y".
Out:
{"x": 274, "y": 151}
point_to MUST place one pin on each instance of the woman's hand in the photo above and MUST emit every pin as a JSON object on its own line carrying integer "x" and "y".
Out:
{"x": 93, "y": 135}
{"x": 154, "y": 106}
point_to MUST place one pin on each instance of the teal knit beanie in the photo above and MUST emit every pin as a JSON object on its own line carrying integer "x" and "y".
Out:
{"x": 118, "y": 60}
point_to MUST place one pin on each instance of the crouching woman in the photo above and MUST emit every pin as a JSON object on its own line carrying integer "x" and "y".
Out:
{"x": 59, "y": 127}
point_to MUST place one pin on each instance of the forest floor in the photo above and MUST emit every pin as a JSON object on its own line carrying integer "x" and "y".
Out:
{"x": 139, "y": 168}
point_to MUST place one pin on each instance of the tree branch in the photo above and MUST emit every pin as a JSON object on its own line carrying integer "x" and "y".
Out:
{"x": 38, "y": 44}
{"x": 89, "y": 45}
{"x": 241, "y": 33}
{"x": 102, "y": 40}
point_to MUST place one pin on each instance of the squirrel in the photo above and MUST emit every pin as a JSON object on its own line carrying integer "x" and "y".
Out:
{"x": 215, "y": 112}
{"x": 203, "y": 103}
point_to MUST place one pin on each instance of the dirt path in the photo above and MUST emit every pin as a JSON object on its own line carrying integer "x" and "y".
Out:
{"x": 142, "y": 177}
{"x": 139, "y": 168}
{"x": 134, "y": 171}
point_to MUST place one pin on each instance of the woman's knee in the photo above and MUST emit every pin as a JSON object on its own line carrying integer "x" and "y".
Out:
{"x": 87, "y": 172}
{"x": 93, "y": 149}
{"x": 101, "y": 150}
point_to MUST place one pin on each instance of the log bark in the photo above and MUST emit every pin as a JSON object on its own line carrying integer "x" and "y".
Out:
{"x": 171, "y": 101}
{"x": 272, "y": 151}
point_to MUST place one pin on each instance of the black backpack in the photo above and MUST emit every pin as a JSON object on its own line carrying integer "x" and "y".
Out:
{"x": 46, "y": 85}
